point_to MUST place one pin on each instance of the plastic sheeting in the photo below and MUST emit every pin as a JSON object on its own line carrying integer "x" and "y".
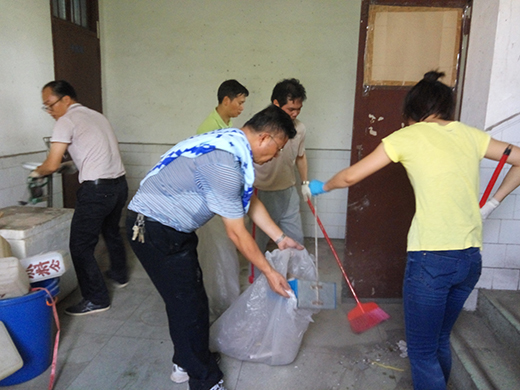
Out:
{"x": 262, "y": 326}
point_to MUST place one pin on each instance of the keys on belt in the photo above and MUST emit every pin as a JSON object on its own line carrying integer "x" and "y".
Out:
{"x": 138, "y": 229}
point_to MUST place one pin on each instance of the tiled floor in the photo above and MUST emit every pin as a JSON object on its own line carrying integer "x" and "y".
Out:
{"x": 128, "y": 347}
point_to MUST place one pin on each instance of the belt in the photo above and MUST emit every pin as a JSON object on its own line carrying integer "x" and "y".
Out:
{"x": 107, "y": 181}
{"x": 133, "y": 214}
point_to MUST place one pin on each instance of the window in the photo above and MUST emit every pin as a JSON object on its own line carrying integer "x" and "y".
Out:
{"x": 79, "y": 12}
{"x": 403, "y": 43}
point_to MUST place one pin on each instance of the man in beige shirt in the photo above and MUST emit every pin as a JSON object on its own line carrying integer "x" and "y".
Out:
{"x": 276, "y": 180}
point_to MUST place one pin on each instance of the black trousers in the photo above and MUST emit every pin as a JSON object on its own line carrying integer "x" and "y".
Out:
{"x": 170, "y": 260}
{"x": 98, "y": 211}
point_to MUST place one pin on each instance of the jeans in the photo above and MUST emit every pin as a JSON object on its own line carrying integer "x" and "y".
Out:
{"x": 436, "y": 285}
{"x": 98, "y": 210}
{"x": 169, "y": 257}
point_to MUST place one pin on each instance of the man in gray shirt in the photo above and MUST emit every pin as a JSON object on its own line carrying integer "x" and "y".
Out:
{"x": 92, "y": 144}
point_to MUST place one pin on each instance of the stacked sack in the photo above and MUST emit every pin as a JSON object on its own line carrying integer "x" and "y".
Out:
{"x": 17, "y": 275}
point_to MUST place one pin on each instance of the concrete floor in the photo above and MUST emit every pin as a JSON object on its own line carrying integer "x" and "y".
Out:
{"x": 128, "y": 347}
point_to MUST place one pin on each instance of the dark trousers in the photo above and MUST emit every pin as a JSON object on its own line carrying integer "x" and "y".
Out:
{"x": 170, "y": 260}
{"x": 98, "y": 211}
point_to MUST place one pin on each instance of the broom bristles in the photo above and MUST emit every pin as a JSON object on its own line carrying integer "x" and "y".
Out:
{"x": 366, "y": 316}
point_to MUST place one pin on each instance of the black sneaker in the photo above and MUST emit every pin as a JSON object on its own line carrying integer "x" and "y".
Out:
{"x": 85, "y": 307}
{"x": 116, "y": 282}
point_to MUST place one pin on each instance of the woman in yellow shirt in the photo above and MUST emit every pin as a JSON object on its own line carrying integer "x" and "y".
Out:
{"x": 442, "y": 160}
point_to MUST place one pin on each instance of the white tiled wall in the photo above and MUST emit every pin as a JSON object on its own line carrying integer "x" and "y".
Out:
{"x": 501, "y": 251}
{"x": 138, "y": 160}
{"x": 332, "y": 206}
{"x": 13, "y": 180}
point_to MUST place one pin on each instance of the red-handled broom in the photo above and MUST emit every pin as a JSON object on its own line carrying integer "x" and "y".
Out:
{"x": 365, "y": 315}
{"x": 494, "y": 178}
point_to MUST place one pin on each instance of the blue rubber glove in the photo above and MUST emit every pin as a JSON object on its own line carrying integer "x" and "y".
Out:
{"x": 316, "y": 187}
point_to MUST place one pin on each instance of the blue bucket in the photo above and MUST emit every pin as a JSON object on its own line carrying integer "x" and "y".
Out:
{"x": 28, "y": 320}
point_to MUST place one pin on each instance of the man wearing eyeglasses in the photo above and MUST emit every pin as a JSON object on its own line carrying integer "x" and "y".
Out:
{"x": 200, "y": 177}
{"x": 276, "y": 180}
{"x": 88, "y": 137}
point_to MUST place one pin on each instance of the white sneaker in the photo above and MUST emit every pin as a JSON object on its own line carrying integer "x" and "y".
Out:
{"x": 179, "y": 375}
{"x": 219, "y": 386}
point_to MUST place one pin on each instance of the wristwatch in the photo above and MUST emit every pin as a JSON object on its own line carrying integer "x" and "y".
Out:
{"x": 280, "y": 239}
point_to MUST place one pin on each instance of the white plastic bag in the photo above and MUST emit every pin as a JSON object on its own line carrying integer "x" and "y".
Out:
{"x": 262, "y": 326}
{"x": 218, "y": 260}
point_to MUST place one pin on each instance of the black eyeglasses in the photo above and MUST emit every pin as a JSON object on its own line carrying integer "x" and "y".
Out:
{"x": 49, "y": 107}
{"x": 280, "y": 149}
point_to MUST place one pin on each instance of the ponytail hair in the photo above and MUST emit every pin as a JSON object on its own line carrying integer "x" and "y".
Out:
{"x": 429, "y": 97}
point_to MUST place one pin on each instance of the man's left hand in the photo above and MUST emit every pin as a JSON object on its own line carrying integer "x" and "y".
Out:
{"x": 288, "y": 242}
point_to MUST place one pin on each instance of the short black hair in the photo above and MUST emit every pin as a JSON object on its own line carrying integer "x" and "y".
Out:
{"x": 272, "y": 120}
{"x": 288, "y": 89}
{"x": 231, "y": 89}
{"x": 61, "y": 88}
{"x": 429, "y": 97}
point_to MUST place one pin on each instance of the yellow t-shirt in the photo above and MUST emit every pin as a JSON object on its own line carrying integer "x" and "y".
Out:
{"x": 442, "y": 163}
{"x": 213, "y": 122}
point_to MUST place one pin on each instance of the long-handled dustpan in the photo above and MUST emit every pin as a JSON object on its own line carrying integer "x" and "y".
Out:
{"x": 365, "y": 315}
{"x": 314, "y": 294}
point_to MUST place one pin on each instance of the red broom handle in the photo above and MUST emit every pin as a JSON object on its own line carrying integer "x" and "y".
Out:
{"x": 333, "y": 252}
{"x": 494, "y": 178}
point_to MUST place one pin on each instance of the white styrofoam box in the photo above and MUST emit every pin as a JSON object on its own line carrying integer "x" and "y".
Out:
{"x": 5, "y": 248}
{"x": 10, "y": 359}
{"x": 45, "y": 266}
{"x": 34, "y": 230}
{"x": 69, "y": 280}
{"x": 14, "y": 281}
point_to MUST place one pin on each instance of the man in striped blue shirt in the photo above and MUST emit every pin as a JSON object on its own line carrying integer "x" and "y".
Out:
{"x": 202, "y": 176}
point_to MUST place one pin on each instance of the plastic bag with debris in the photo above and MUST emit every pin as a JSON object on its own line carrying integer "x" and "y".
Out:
{"x": 262, "y": 326}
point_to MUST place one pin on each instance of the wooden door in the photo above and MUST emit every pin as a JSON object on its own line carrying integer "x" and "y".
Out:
{"x": 77, "y": 60}
{"x": 398, "y": 43}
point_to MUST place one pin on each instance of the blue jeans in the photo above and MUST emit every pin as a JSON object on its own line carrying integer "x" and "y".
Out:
{"x": 436, "y": 285}
{"x": 169, "y": 257}
{"x": 98, "y": 210}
